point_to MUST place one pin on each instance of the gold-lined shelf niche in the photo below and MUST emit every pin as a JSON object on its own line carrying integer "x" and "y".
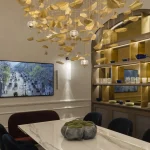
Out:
{"x": 135, "y": 41}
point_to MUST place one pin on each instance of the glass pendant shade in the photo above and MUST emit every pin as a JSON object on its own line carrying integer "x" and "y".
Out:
{"x": 74, "y": 34}
{"x": 49, "y": 36}
{"x": 31, "y": 24}
{"x": 84, "y": 62}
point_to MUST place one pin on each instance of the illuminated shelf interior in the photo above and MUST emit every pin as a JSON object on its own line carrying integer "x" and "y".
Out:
{"x": 123, "y": 63}
{"x": 123, "y": 46}
{"x": 141, "y": 38}
{"x": 122, "y": 84}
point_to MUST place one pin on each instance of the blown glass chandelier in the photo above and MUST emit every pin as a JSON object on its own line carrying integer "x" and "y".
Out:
{"x": 68, "y": 22}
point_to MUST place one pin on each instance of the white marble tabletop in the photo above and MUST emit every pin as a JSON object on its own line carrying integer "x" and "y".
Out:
{"x": 48, "y": 135}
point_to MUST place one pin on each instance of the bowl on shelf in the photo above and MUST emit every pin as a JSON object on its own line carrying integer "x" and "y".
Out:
{"x": 144, "y": 80}
{"x": 129, "y": 104}
{"x": 140, "y": 56}
{"x": 120, "y": 102}
{"x": 137, "y": 103}
{"x": 99, "y": 99}
{"x": 119, "y": 81}
{"x": 125, "y": 59}
{"x": 112, "y": 101}
{"x": 112, "y": 61}
{"x": 127, "y": 100}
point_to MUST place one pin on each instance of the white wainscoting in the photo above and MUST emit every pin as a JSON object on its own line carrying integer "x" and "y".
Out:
{"x": 65, "y": 108}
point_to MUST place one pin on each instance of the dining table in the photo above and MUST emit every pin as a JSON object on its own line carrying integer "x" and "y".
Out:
{"x": 48, "y": 135}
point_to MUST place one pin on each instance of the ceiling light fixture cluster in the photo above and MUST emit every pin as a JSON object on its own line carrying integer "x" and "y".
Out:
{"x": 69, "y": 22}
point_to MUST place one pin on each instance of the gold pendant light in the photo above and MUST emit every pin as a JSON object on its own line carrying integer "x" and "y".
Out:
{"x": 72, "y": 21}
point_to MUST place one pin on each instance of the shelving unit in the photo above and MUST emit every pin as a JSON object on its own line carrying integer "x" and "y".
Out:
{"x": 124, "y": 43}
{"x": 123, "y": 63}
{"x": 123, "y": 84}
{"x": 137, "y": 42}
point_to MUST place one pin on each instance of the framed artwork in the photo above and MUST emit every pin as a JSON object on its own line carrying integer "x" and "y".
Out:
{"x": 21, "y": 79}
{"x": 123, "y": 89}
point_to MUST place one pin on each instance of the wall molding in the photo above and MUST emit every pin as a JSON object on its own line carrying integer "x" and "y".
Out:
{"x": 61, "y": 108}
{"x": 78, "y": 104}
{"x": 44, "y": 102}
{"x": 81, "y": 117}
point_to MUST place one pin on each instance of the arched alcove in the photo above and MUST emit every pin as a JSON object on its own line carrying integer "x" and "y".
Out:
{"x": 125, "y": 47}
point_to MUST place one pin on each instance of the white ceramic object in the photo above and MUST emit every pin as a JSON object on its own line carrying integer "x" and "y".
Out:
{"x": 133, "y": 79}
{"x": 137, "y": 80}
{"x": 109, "y": 80}
{"x": 100, "y": 80}
{"x": 144, "y": 80}
{"x": 104, "y": 80}
{"x": 127, "y": 80}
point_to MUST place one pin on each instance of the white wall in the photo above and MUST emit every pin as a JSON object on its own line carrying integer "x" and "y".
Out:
{"x": 74, "y": 94}
{"x": 14, "y": 46}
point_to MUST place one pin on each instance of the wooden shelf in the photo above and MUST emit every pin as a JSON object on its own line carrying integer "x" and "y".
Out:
{"x": 122, "y": 84}
{"x": 129, "y": 44}
{"x": 118, "y": 105}
{"x": 122, "y": 63}
{"x": 117, "y": 47}
{"x": 141, "y": 38}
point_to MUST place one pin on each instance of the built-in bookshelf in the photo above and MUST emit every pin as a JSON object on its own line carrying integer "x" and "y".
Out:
{"x": 120, "y": 56}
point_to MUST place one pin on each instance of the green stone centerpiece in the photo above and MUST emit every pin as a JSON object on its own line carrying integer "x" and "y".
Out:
{"x": 79, "y": 130}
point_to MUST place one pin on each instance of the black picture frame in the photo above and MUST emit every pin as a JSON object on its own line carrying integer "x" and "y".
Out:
{"x": 49, "y": 84}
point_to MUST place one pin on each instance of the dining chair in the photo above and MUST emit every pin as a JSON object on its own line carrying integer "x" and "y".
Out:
{"x": 146, "y": 136}
{"x": 2, "y": 132}
{"x": 11, "y": 144}
{"x": 95, "y": 117}
{"x": 26, "y": 118}
{"x": 121, "y": 125}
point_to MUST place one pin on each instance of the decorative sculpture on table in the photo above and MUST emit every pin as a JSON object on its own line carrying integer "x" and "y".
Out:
{"x": 78, "y": 130}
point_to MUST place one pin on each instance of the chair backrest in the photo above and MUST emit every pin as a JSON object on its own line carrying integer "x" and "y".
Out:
{"x": 121, "y": 125}
{"x": 27, "y": 118}
{"x": 95, "y": 117}
{"x": 2, "y": 132}
{"x": 146, "y": 136}
{"x": 9, "y": 143}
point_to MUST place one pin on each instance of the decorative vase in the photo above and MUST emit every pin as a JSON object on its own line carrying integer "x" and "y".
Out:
{"x": 104, "y": 80}
{"x": 144, "y": 80}
{"x": 99, "y": 99}
{"x": 133, "y": 80}
{"x": 100, "y": 80}
{"x": 128, "y": 80}
{"x": 141, "y": 56}
{"x": 109, "y": 80}
{"x": 89, "y": 132}
{"x": 119, "y": 81}
{"x": 74, "y": 132}
{"x": 78, "y": 130}
{"x": 137, "y": 80}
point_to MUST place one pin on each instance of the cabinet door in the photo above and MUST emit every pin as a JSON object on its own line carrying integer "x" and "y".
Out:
{"x": 105, "y": 116}
{"x": 117, "y": 114}
{"x": 142, "y": 124}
